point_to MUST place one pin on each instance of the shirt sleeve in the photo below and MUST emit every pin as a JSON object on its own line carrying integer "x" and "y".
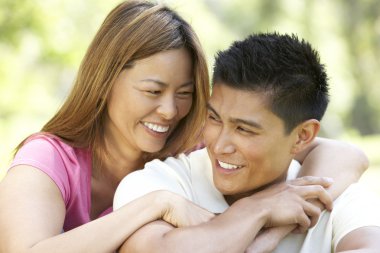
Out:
{"x": 42, "y": 153}
{"x": 357, "y": 208}
{"x": 172, "y": 175}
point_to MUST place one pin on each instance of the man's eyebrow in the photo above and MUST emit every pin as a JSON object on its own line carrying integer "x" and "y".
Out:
{"x": 161, "y": 83}
{"x": 237, "y": 120}
{"x": 247, "y": 122}
{"x": 209, "y": 107}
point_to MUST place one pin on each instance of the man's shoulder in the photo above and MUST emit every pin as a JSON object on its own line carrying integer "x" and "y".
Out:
{"x": 354, "y": 194}
{"x": 198, "y": 157}
{"x": 174, "y": 174}
{"x": 183, "y": 165}
{"x": 356, "y": 207}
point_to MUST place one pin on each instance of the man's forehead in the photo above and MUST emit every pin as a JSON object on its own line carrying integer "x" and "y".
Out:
{"x": 248, "y": 107}
{"x": 222, "y": 93}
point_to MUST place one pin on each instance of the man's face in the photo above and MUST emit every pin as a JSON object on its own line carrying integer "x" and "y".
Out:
{"x": 246, "y": 142}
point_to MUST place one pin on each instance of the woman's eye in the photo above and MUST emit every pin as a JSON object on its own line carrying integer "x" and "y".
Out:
{"x": 185, "y": 93}
{"x": 153, "y": 92}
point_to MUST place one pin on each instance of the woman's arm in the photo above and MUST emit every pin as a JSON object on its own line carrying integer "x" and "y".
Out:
{"x": 33, "y": 212}
{"x": 235, "y": 229}
{"x": 341, "y": 161}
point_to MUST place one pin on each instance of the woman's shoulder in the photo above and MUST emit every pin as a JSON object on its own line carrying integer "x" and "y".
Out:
{"x": 68, "y": 167}
{"x": 46, "y": 140}
{"x": 50, "y": 153}
{"x": 50, "y": 144}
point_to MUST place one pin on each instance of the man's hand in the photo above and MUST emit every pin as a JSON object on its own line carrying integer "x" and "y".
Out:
{"x": 268, "y": 239}
{"x": 288, "y": 203}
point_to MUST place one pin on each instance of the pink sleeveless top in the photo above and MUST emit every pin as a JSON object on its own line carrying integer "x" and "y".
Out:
{"x": 68, "y": 167}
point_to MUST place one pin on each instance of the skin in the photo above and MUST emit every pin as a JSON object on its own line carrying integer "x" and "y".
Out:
{"x": 251, "y": 142}
{"x": 157, "y": 90}
{"x": 148, "y": 100}
{"x": 146, "y": 104}
{"x": 255, "y": 152}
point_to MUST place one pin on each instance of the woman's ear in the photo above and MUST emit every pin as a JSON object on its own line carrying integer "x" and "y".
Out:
{"x": 306, "y": 133}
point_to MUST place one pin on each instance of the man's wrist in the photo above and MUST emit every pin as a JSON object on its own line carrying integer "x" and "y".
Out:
{"x": 256, "y": 213}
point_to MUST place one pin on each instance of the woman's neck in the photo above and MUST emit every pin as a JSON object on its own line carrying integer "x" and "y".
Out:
{"x": 120, "y": 158}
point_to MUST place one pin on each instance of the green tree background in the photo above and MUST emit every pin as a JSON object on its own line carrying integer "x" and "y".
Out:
{"x": 42, "y": 43}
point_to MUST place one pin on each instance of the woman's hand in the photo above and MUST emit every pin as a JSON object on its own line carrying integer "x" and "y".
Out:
{"x": 181, "y": 212}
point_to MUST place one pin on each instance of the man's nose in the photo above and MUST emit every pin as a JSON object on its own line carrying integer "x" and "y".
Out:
{"x": 223, "y": 143}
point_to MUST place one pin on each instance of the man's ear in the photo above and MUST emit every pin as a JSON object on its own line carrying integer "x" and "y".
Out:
{"x": 306, "y": 133}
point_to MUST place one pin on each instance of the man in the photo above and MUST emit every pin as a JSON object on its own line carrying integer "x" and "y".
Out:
{"x": 269, "y": 94}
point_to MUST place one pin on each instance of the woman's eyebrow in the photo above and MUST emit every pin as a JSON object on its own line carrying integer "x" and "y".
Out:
{"x": 161, "y": 83}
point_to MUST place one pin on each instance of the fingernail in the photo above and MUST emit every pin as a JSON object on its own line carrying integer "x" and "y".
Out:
{"x": 329, "y": 179}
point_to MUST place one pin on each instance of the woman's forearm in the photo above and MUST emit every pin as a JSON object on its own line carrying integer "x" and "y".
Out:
{"x": 105, "y": 234}
{"x": 230, "y": 232}
{"x": 341, "y": 161}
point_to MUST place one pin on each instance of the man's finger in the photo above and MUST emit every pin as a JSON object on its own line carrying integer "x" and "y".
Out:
{"x": 311, "y": 180}
{"x": 313, "y": 212}
{"x": 317, "y": 192}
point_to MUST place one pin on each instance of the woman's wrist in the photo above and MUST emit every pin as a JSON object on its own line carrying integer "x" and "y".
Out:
{"x": 163, "y": 202}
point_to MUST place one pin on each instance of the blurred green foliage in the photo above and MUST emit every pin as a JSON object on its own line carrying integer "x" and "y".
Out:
{"x": 42, "y": 43}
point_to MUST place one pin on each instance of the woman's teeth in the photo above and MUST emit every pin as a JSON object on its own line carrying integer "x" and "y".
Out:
{"x": 228, "y": 166}
{"x": 156, "y": 128}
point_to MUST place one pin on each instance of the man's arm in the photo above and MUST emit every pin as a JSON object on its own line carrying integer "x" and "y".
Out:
{"x": 361, "y": 240}
{"x": 234, "y": 230}
{"x": 356, "y": 221}
{"x": 341, "y": 161}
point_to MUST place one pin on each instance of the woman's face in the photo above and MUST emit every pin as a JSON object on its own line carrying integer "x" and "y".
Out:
{"x": 149, "y": 99}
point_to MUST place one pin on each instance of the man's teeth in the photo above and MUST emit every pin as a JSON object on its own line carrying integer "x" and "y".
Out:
{"x": 228, "y": 166}
{"x": 156, "y": 128}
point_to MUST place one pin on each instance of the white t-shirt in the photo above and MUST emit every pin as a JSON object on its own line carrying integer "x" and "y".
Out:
{"x": 191, "y": 177}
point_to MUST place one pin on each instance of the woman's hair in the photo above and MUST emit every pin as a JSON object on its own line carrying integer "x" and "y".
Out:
{"x": 133, "y": 30}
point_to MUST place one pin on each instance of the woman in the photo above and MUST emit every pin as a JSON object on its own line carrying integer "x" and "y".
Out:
{"x": 142, "y": 84}
{"x": 140, "y": 94}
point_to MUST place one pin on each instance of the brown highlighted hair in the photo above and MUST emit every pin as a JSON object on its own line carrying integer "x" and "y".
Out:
{"x": 133, "y": 30}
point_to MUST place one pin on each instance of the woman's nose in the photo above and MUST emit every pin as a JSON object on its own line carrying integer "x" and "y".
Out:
{"x": 168, "y": 108}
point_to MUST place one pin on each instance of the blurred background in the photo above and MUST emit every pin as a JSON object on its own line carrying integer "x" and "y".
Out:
{"x": 43, "y": 41}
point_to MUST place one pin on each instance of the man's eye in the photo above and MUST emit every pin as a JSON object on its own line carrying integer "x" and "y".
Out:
{"x": 244, "y": 130}
{"x": 212, "y": 117}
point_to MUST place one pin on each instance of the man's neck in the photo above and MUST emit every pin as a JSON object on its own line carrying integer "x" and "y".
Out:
{"x": 230, "y": 199}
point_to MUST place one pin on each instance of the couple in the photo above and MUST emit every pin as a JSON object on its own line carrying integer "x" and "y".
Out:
{"x": 142, "y": 92}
